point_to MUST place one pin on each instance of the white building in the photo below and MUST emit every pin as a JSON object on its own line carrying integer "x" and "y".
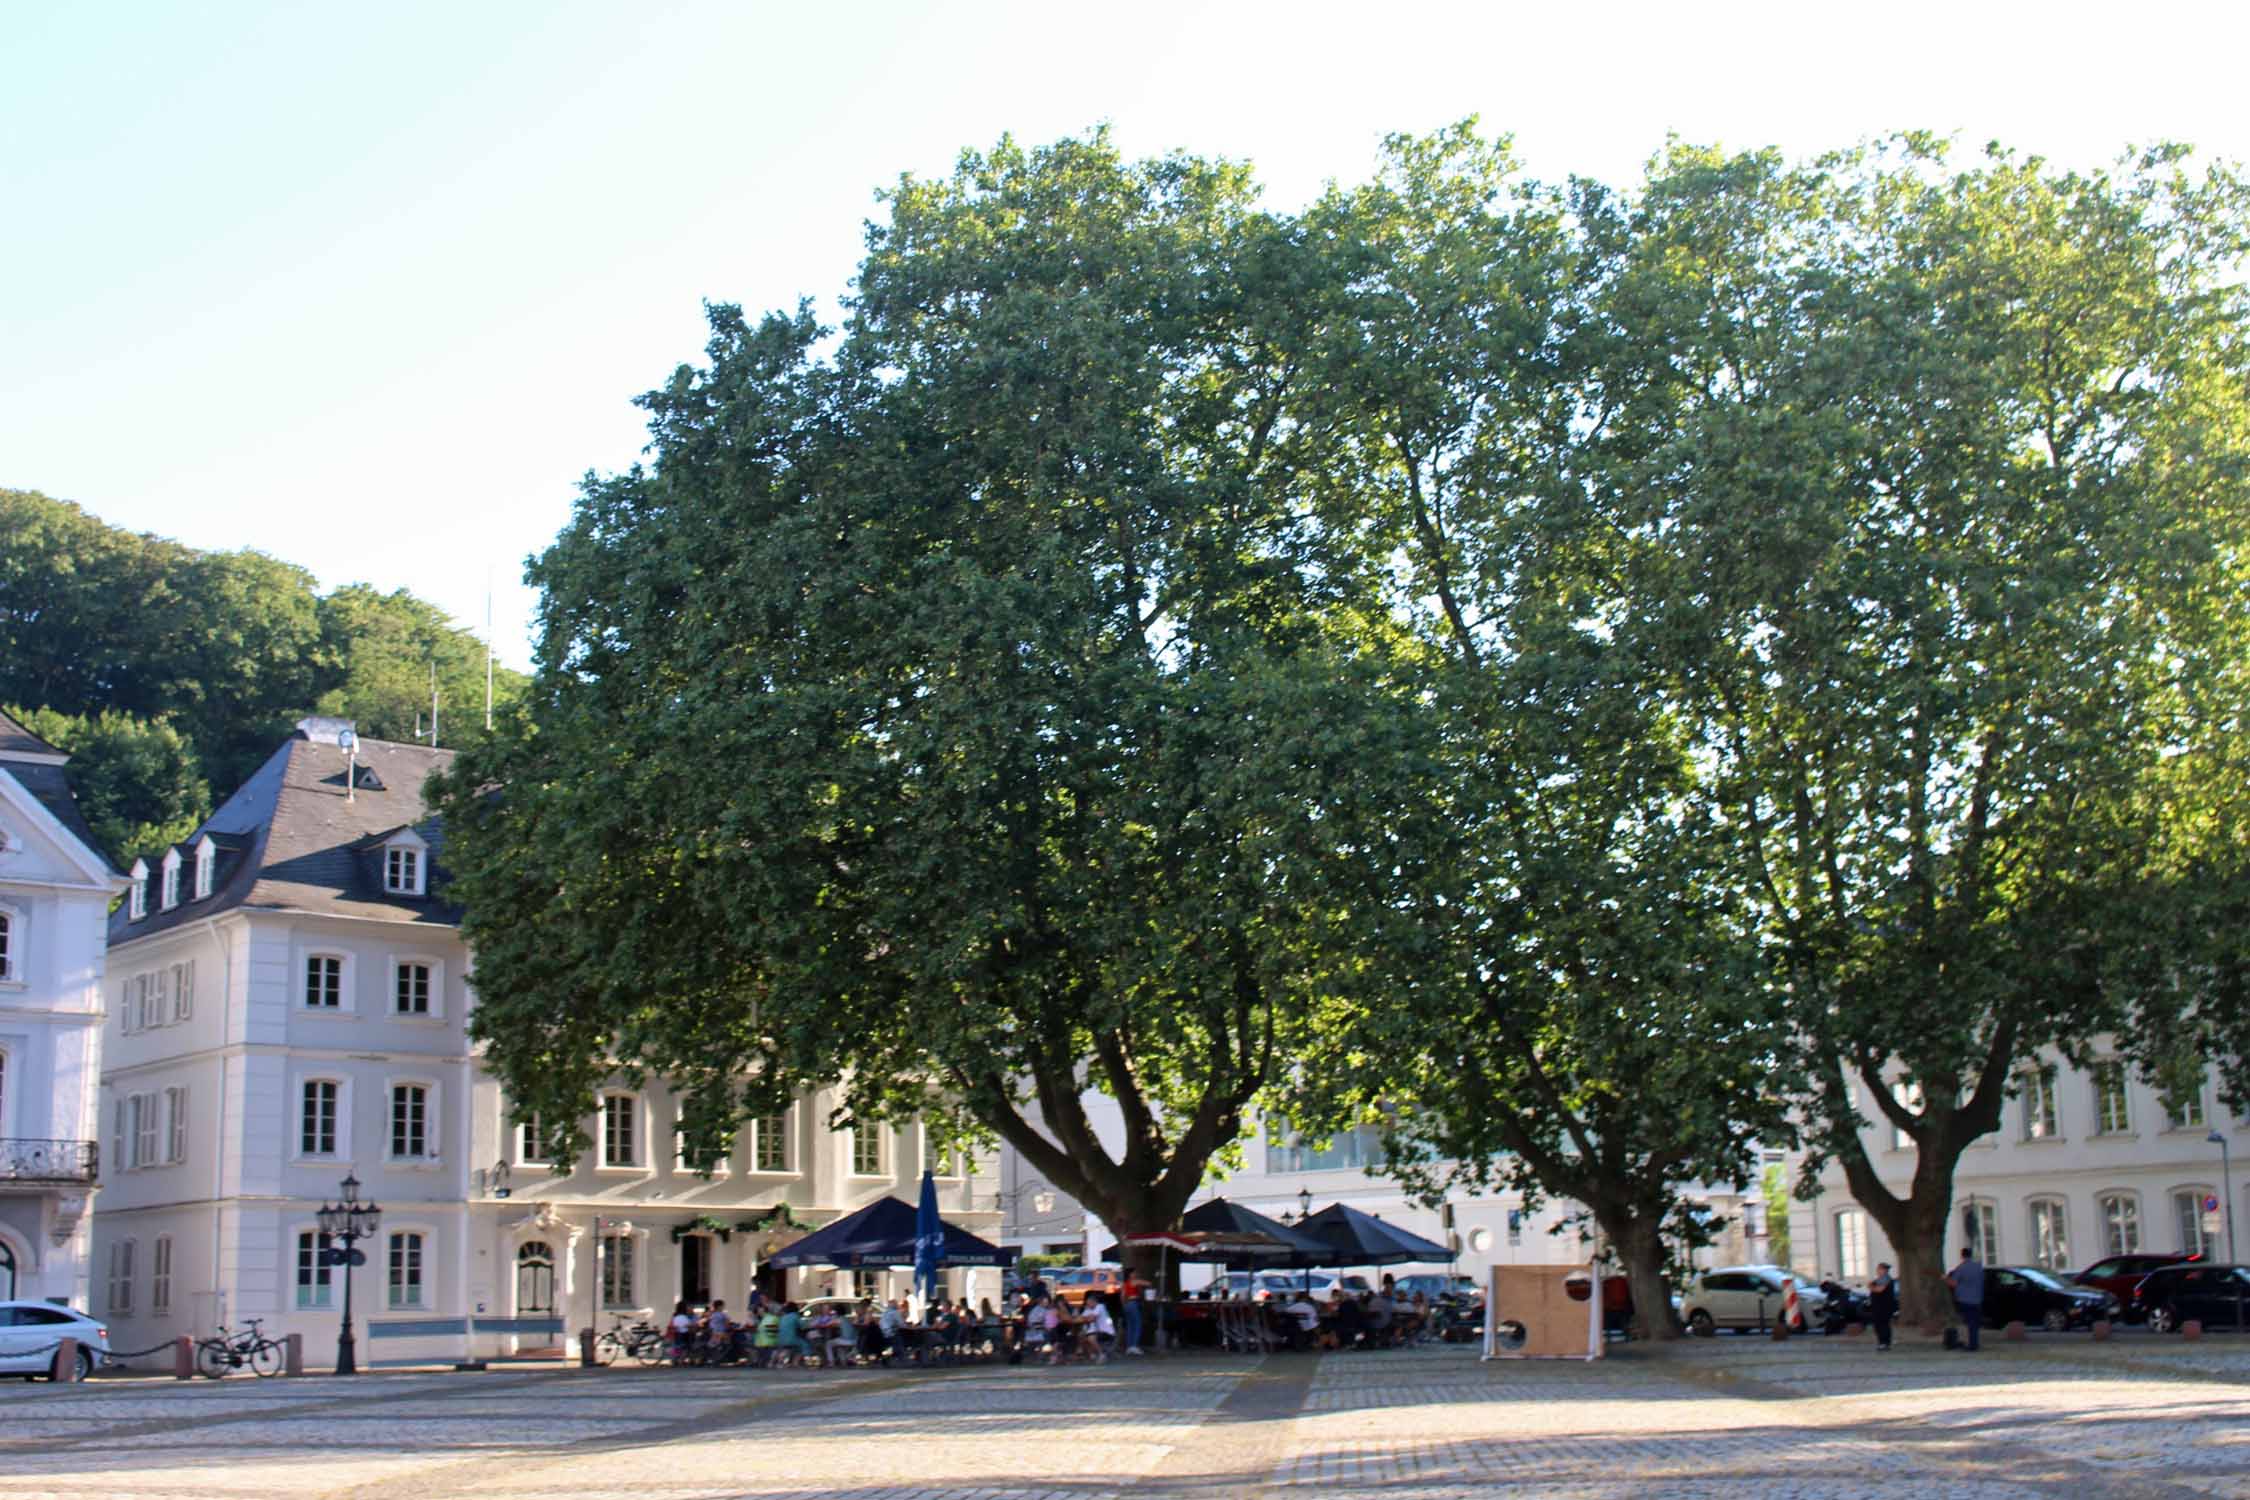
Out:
{"x": 290, "y": 992}
{"x": 2087, "y": 1164}
{"x": 55, "y": 889}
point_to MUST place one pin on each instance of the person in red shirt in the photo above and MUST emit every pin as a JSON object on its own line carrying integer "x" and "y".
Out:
{"x": 1130, "y": 1294}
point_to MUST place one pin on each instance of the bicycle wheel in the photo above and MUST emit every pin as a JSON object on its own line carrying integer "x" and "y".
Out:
{"x": 211, "y": 1359}
{"x": 607, "y": 1348}
{"x": 648, "y": 1348}
{"x": 265, "y": 1358}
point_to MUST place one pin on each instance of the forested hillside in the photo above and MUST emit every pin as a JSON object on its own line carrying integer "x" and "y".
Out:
{"x": 168, "y": 673}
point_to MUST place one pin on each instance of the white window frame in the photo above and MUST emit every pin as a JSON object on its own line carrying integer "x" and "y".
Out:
{"x": 530, "y": 1150}
{"x": 1987, "y": 1234}
{"x": 12, "y": 934}
{"x": 2204, "y": 1241}
{"x": 175, "y": 1124}
{"x": 1852, "y": 1243}
{"x": 340, "y": 1125}
{"x": 636, "y": 1124}
{"x": 2047, "y": 1215}
{"x": 945, "y": 1166}
{"x": 2094, "y": 1075}
{"x": 136, "y": 895}
{"x": 183, "y": 992}
{"x": 406, "y": 864}
{"x": 424, "y": 1262}
{"x": 881, "y": 1135}
{"x": 2194, "y": 1101}
{"x": 430, "y": 1137}
{"x": 319, "y": 1293}
{"x": 168, "y": 890}
{"x": 146, "y": 1129}
{"x": 435, "y": 967}
{"x": 780, "y": 1128}
{"x": 2106, "y": 1205}
{"x": 722, "y": 1162}
{"x": 2042, "y": 1109}
{"x": 160, "y": 1276}
{"x": 121, "y": 1276}
{"x": 206, "y": 861}
{"x": 629, "y": 1297}
{"x": 343, "y": 962}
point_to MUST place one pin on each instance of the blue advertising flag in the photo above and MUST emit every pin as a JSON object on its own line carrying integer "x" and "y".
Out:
{"x": 929, "y": 1240}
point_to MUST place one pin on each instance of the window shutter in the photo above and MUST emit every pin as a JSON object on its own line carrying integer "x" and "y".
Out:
{"x": 160, "y": 1006}
{"x": 183, "y": 992}
{"x": 117, "y": 1162}
{"x": 175, "y": 1125}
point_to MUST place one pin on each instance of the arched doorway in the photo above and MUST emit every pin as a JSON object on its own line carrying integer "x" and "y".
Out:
{"x": 535, "y": 1279}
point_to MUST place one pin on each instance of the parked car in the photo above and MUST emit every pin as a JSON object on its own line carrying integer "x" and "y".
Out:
{"x": 1073, "y": 1287}
{"x": 2119, "y": 1274}
{"x": 2216, "y": 1296}
{"x": 29, "y": 1331}
{"x": 1745, "y": 1297}
{"x": 2041, "y": 1299}
{"x": 1437, "y": 1287}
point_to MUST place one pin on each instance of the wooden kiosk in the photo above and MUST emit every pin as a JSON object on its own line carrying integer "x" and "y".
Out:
{"x": 1543, "y": 1312}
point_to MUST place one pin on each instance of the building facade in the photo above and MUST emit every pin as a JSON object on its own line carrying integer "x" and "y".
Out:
{"x": 55, "y": 889}
{"x": 289, "y": 995}
{"x": 2088, "y": 1163}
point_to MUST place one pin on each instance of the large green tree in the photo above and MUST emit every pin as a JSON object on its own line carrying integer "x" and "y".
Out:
{"x": 1933, "y": 524}
{"x": 1581, "y": 1005}
{"x": 964, "y": 718}
{"x": 392, "y": 652}
{"x": 138, "y": 783}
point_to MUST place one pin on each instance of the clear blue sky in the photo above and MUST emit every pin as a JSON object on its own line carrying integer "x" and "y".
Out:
{"x": 369, "y": 287}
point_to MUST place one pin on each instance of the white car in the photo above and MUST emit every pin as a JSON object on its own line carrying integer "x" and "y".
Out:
{"x": 29, "y": 1332}
{"x": 1746, "y": 1297}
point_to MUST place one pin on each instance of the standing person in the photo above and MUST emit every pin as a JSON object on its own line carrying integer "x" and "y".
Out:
{"x": 1129, "y": 1291}
{"x": 1967, "y": 1281}
{"x": 1882, "y": 1302}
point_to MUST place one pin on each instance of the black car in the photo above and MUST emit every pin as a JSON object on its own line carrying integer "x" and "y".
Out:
{"x": 2215, "y": 1296}
{"x": 2040, "y": 1299}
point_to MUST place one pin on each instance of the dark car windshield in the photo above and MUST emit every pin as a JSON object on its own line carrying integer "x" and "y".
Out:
{"x": 2038, "y": 1277}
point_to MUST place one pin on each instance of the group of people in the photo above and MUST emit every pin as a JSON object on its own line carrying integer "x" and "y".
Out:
{"x": 1376, "y": 1319}
{"x": 777, "y": 1332}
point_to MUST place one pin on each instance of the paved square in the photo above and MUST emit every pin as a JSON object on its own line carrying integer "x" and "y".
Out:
{"x": 1808, "y": 1420}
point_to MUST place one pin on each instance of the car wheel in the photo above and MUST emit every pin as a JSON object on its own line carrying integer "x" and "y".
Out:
{"x": 85, "y": 1363}
{"x": 1699, "y": 1323}
{"x": 2162, "y": 1320}
{"x": 2056, "y": 1320}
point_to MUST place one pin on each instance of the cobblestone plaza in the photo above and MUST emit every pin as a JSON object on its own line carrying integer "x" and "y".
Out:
{"x": 1729, "y": 1417}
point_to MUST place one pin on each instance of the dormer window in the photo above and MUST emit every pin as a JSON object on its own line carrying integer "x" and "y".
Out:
{"x": 136, "y": 899}
{"x": 169, "y": 893}
{"x": 402, "y": 870}
{"x": 206, "y": 864}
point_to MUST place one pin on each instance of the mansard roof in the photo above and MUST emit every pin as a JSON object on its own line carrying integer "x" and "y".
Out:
{"x": 38, "y": 768}
{"x": 290, "y": 839}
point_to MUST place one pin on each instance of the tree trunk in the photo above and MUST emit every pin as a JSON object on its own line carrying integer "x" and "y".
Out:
{"x": 1915, "y": 1224}
{"x": 1639, "y": 1243}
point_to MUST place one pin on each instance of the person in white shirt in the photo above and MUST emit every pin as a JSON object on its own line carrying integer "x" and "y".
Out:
{"x": 1100, "y": 1327}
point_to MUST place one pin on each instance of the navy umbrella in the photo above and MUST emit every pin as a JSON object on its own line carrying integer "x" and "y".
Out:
{"x": 929, "y": 1239}
{"x": 1352, "y": 1238}
{"x": 884, "y": 1234}
{"x": 1221, "y": 1216}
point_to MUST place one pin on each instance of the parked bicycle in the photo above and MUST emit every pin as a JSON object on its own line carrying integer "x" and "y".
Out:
{"x": 640, "y": 1341}
{"x": 224, "y": 1353}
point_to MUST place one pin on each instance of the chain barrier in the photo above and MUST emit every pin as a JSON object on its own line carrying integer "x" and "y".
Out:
{"x": 114, "y": 1354}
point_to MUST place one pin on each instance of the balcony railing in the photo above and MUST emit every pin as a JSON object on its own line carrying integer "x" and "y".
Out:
{"x": 23, "y": 1160}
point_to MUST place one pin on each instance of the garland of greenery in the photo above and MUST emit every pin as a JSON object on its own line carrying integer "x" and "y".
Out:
{"x": 705, "y": 1224}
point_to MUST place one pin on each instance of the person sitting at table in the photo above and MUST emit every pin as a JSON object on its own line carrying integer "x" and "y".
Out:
{"x": 1099, "y": 1328}
{"x": 790, "y": 1347}
{"x": 892, "y": 1321}
{"x": 768, "y": 1337}
{"x": 1382, "y": 1318}
{"x": 1031, "y": 1325}
{"x": 719, "y": 1325}
{"x": 1057, "y": 1324}
{"x": 1349, "y": 1322}
{"x": 823, "y": 1332}
{"x": 681, "y": 1330}
{"x": 867, "y": 1332}
{"x": 1305, "y": 1314}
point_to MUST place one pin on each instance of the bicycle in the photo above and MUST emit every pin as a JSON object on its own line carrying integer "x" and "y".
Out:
{"x": 224, "y": 1353}
{"x": 640, "y": 1341}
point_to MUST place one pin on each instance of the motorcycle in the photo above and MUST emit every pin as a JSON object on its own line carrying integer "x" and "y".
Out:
{"x": 1843, "y": 1307}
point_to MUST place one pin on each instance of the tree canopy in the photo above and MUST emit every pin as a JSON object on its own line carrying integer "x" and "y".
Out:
{"x": 166, "y": 671}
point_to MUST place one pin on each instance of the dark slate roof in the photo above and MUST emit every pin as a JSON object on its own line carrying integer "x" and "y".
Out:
{"x": 290, "y": 841}
{"x": 37, "y": 767}
{"x": 16, "y": 740}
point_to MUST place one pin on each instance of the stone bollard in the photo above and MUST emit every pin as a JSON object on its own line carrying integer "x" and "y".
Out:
{"x": 1781, "y": 1331}
{"x": 66, "y": 1361}
{"x": 183, "y": 1358}
{"x": 2015, "y": 1333}
{"x": 586, "y": 1348}
{"x": 2192, "y": 1329}
{"x": 292, "y": 1354}
{"x": 2101, "y": 1330}
{"x": 1854, "y": 1330}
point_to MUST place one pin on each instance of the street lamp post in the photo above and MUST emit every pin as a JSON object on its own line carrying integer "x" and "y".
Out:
{"x": 2226, "y": 1186}
{"x": 348, "y": 1221}
{"x": 1304, "y": 1204}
